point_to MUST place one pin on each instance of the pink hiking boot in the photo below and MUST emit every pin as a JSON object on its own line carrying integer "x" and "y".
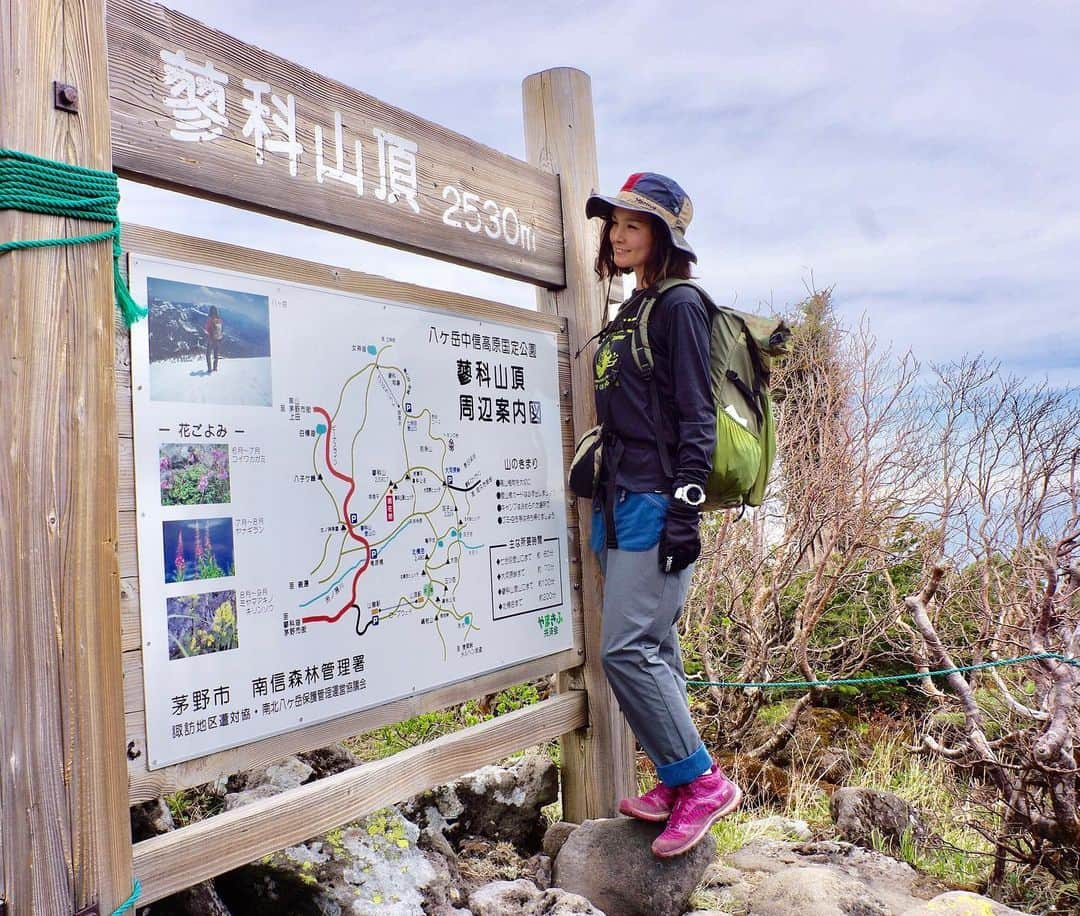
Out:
{"x": 699, "y": 805}
{"x": 654, "y": 805}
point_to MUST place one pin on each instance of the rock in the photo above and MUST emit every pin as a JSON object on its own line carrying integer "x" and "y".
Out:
{"x": 538, "y": 870}
{"x": 372, "y": 867}
{"x": 436, "y": 813}
{"x": 861, "y": 813}
{"x": 499, "y": 803}
{"x": 200, "y": 900}
{"x": 268, "y": 889}
{"x": 275, "y": 779}
{"x": 153, "y": 819}
{"x": 763, "y": 855}
{"x": 504, "y": 804}
{"x": 962, "y": 903}
{"x": 610, "y": 863}
{"x": 815, "y": 891}
{"x": 522, "y": 898}
{"x": 503, "y": 898}
{"x": 555, "y": 836}
{"x": 829, "y": 766}
{"x": 326, "y": 761}
{"x": 387, "y": 867}
{"x": 149, "y": 819}
{"x": 559, "y": 902}
{"x": 784, "y": 828}
{"x": 717, "y": 875}
{"x": 817, "y": 874}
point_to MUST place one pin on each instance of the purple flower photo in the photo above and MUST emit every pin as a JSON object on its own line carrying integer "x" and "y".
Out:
{"x": 194, "y": 474}
{"x": 200, "y": 548}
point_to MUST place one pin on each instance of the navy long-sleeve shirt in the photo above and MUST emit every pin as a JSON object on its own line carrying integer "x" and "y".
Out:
{"x": 679, "y": 332}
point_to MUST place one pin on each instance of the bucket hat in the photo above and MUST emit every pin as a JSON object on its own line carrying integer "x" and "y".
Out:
{"x": 649, "y": 192}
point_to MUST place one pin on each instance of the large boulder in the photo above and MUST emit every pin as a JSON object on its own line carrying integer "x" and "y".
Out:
{"x": 863, "y": 814}
{"x": 498, "y": 803}
{"x": 768, "y": 877}
{"x": 815, "y": 891}
{"x": 962, "y": 903}
{"x": 372, "y": 867}
{"x": 610, "y": 863}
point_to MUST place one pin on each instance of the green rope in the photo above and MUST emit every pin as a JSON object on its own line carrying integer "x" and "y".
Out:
{"x": 36, "y": 185}
{"x": 886, "y": 678}
{"x": 129, "y": 904}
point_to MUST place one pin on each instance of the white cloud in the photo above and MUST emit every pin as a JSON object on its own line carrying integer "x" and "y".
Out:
{"x": 919, "y": 157}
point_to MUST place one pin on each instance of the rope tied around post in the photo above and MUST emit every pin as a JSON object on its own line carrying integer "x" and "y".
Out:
{"x": 129, "y": 904}
{"x": 36, "y": 185}
{"x": 886, "y": 678}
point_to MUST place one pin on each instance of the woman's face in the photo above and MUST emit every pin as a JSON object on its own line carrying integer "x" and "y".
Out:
{"x": 631, "y": 238}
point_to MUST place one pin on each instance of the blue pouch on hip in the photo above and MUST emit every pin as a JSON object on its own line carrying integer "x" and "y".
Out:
{"x": 639, "y": 520}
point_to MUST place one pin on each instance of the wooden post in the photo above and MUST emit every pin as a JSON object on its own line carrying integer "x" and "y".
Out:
{"x": 560, "y": 137}
{"x": 65, "y": 839}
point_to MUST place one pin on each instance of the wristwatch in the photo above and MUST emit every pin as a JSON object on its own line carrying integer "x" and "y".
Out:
{"x": 690, "y": 494}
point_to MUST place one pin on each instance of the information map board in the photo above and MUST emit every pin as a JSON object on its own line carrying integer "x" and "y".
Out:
{"x": 342, "y": 500}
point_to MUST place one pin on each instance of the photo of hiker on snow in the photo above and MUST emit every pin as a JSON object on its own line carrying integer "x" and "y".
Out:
{"x": 214, "y": 329}
{"x": 208, "y": 345}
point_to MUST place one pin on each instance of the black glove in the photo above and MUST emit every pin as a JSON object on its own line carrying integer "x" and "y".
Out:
{"x": 680, "y": 544}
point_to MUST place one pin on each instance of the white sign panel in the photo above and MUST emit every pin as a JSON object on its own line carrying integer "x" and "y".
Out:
{"x": 341, "y": 501}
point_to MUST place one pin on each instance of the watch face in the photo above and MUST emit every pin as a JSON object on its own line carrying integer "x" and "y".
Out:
{"x": 692, "y": 494}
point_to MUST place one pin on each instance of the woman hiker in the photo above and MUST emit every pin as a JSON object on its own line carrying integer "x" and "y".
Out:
{"x": 214, "y": 330}
{"x": 645, "y": 514}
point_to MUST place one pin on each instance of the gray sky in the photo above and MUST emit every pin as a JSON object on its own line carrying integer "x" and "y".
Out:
{"x": 919, "y": 157}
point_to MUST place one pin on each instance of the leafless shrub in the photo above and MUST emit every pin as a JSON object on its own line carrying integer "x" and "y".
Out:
{"x": 957, "y": 487}
{"x": 1002, "y": 582}
{"x": 852, "y": 477}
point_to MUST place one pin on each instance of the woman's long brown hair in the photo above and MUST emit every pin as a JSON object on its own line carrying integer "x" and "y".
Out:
{"x": 665, "y": 260}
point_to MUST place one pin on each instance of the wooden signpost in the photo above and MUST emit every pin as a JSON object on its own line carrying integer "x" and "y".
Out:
{"x": 560, "y": 136}
{"x": 65, "y": 841}
{"x": 189, "y": 108}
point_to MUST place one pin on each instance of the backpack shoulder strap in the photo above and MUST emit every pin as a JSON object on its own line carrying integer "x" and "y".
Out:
{"x": 675, "y": 281}
{"x": 641, "y": 350}
{"x": 640, "y": 347}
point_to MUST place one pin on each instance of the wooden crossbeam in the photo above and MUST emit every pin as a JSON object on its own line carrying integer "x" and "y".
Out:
{"x": 173, "y": 861}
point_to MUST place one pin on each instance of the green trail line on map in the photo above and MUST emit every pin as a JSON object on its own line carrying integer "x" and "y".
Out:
{"x": 341, "y": 397}
{"x": 379, "y": 375}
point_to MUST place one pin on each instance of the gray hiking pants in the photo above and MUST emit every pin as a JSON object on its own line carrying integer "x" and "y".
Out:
{"x": 644, "y": 664}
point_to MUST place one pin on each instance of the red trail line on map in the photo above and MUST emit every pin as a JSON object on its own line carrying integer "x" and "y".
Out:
{"x": 327, "y": 618}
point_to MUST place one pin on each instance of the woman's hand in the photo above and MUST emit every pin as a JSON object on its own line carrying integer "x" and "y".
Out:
{"x": 680, "y": 544}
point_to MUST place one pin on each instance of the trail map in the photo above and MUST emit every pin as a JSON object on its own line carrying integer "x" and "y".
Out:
{"x": 341, "y": 501}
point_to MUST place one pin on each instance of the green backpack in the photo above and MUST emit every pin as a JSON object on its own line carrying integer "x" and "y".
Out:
{"x": 739, "y": 358}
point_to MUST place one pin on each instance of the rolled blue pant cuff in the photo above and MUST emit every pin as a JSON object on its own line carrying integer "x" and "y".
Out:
{"x": 686, "y": 770}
